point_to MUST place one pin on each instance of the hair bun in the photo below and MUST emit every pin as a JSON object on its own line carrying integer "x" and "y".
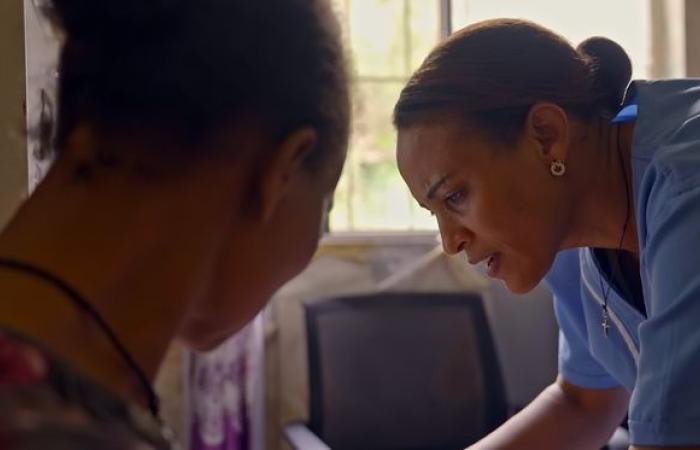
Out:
{"x": 611, "y": 69}
{"x": 103, "y": 19}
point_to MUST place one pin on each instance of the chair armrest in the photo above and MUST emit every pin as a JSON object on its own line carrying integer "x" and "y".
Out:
{"x": 301, "y": 438}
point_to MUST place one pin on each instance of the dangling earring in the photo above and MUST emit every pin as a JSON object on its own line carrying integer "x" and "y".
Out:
{"x": 558, "y": 168}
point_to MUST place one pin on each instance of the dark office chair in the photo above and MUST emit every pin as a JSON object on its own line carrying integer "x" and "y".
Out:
{"x": 400, "y": 371}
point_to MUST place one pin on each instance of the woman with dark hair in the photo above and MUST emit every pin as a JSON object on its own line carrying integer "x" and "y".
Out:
{"x": 541, "y": 161}
{"x": 197, "y": 146}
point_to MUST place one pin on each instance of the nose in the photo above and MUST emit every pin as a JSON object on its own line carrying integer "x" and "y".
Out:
{"x": 455, "y": 237}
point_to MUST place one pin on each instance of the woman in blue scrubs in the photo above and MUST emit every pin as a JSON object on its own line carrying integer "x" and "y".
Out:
{"x": 542, "y": 162}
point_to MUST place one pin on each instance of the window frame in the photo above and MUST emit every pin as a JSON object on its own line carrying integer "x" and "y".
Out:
{"x": 688, "y": 11}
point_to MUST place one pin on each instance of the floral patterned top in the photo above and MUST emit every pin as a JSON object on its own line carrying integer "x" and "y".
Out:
{"x": 45, "y": 404}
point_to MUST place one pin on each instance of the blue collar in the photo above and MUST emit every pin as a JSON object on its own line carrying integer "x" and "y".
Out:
{"x": 629, "y": 110}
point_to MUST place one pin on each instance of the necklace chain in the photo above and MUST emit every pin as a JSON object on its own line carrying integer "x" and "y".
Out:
{"x": 605, "y": 290}
{"x": 83, "y": 304}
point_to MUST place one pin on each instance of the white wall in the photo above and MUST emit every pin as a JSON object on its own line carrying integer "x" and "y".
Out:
{"x": 13, "y": 156}
{"x": 692, "y": 37}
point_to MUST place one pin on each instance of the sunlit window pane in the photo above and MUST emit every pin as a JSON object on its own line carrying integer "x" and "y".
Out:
{"x": 388, "y": 39}
{"x": 424, "y": 23}
{"x": 624, "y": 21}
{"x": 376, "y": 35}
{"x": 371, "y": 194}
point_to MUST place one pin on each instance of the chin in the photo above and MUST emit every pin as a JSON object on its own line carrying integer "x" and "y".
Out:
{"x": 525, "y": 275}
{"x": 521, "y": 283}
{"x": 519, "y": 289}
{"x": 206, "y": 336}
{"x": 200, "y": 342}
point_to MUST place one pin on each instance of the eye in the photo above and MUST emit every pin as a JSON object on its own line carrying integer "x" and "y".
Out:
{"x": 455, "y": 198}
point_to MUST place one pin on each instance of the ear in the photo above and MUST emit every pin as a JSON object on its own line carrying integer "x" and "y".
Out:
{"x": 548, "y": 125}
{"x": 283, "y": 167}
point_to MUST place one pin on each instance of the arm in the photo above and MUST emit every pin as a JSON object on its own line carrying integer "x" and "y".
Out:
{"x": 664, "y": 409}
{"x": 585, "y": 397}
{"x": 562, "y": 416}
{"x": 634, "y": 447}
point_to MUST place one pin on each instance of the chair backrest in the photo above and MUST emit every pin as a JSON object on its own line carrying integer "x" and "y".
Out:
{"x": 402, "y": 371}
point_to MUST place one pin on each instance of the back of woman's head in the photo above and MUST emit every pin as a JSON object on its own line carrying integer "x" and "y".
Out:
{"x": 185, "y": 69}
{"x": 492, "y": 72}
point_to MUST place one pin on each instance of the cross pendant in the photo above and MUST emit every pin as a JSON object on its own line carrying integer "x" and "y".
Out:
{"x": 606, "y": 323}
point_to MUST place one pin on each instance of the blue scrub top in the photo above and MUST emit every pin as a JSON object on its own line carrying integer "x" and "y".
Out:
{"x": 657, "y": 358}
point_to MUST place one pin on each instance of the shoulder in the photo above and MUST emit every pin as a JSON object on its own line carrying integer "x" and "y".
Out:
{"x": 667, "y": 128}
{"x": 669, "y": 191}
{"x": 21, "y": 363}
{"x": 43, "y": 401}
{"x": 666, "y": 151}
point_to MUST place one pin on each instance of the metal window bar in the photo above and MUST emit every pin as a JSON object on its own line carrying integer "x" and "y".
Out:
{"x": 445, "y": 18}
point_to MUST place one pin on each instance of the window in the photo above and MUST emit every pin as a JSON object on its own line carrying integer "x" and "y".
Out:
{"x": 390, "y": 38}
{"x": 624, "y": 21}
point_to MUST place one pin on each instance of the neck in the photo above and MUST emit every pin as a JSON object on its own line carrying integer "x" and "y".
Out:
{"x": 604, "y": 191}
{"x": 133, "y": 251}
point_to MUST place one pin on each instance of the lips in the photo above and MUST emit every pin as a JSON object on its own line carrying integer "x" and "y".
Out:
{"x": 479, "y": 260}
{"x": 490, "y": 261}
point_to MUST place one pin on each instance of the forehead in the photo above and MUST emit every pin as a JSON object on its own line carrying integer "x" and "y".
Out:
{"x": 421, "y": 144}
{"x": 426, "y": 153}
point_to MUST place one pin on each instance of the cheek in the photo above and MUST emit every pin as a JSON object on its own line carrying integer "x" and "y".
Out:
{"x": 515, "y": 215}
{"x": 240, "y": 290}
{"x": 309, "y": 231}
{"x": 298, "y": 232}
{"x": 524, "y": 230}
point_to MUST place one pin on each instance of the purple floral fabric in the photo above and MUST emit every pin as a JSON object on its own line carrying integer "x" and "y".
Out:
{"x": 223, "y": 394}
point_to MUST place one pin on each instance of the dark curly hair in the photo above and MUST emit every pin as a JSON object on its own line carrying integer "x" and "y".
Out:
{"x": 185, "y": 68}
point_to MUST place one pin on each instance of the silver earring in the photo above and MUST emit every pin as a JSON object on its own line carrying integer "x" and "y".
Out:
{"x": 558, "y": 168}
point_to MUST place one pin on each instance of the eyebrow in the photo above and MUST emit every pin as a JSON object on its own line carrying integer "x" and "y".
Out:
{"x": 435, "y": 186}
